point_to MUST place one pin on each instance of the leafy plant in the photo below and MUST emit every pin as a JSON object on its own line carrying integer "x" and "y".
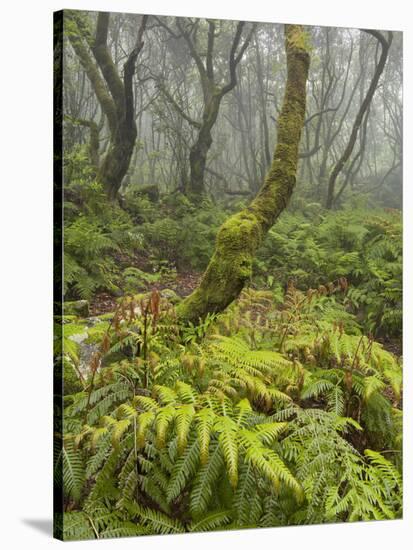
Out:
{"x": 278, "y": 417}
{"x": 364, "y": 246}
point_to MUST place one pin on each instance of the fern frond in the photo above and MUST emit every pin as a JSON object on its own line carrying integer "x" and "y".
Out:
{"x": 77, "y": 526}
{"x": 184, "y": 469}
{"x": 227, "y": 430}
{"x": 386, "y": 468}
{"x": 146, "y": 403}
{"x": 185, "y": 392}
{"x": 205, "y": 419}
{"x": 157, "y": 522}
{"x": 163, "y": 419}
{"x": 118, "y": 429}
{"x": 73, "y": 471}
{"x": 269, "y": 433}
{"x": 145, "y": 421}
{"x": 212, "y": 522}
{"x": 183, "y": 419}
{"x": 204, "y": 483}
{"x": 166, "y": 395}
{"x": 268, "y": 463}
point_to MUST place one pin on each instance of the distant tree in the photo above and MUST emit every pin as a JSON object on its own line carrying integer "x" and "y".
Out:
{"x": 361, "y": 117}
{"x": 212, "y": 90}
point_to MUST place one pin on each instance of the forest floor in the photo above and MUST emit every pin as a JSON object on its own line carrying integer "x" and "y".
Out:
{"x": 183, "y": 285}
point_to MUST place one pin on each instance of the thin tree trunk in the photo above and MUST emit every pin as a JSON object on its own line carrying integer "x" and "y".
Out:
{"x": 199, "y": 151}
{"x": 213, "y": 94}
{"x": 385, "y": 45}
{"x": 240, "y": 236}
{"x": 263, "y": 109}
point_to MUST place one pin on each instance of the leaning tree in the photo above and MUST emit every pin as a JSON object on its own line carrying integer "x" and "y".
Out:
{"x": 240, "y": 236}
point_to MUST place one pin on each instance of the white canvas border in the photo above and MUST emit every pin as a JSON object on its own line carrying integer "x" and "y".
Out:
{"x": 26, "y": 269}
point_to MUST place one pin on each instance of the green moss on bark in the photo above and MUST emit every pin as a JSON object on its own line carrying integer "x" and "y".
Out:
{"x": 240, "y": 236}
{"x": 230, "y": 267}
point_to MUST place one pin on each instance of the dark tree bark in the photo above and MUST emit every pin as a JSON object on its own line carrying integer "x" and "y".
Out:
{"x": 212, "y": 94}
{"x": 385, "y": 45}
{"x": 240, "y": 236}
{"x": 114, "y": 94}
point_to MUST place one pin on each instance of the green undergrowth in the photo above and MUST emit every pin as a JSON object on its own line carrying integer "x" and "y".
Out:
{"x": 280, "y": 411}
{"x": 362, "y": 245}
{"x": 151, "y": 240}
{"x": 127, "y": 249}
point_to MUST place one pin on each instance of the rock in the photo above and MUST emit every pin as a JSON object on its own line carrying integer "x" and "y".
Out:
{"x": 80, "y": 308}
{"x": 79, "y": 338}
{"x": 86, "y": 351}
{"x": 170, "y": 295}
{"x": 96, "y": 319}
{"x": 166, "y": 293}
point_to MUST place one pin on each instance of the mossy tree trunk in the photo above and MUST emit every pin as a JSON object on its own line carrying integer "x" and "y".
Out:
{"x": 114, "y": 94}
{"x": 240, "y": 236}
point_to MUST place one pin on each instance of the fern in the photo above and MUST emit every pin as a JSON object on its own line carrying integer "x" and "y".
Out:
{"x": 264, "y": 427}
{"x": 184, "y": 469}
{"x": 205, "y": 481}
{"x": 228, "y": 431}
{"x": 156, "y": 521}
{"x": 73, "y": 471}
{"x": 212, "y": 521}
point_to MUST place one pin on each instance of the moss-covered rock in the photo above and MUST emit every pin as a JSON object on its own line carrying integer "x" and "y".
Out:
{"x": 102, "y": 317}
{"x": 166, "y": 293}
{"x": 80, "y": 308}
{"x": 170, "y": 295}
